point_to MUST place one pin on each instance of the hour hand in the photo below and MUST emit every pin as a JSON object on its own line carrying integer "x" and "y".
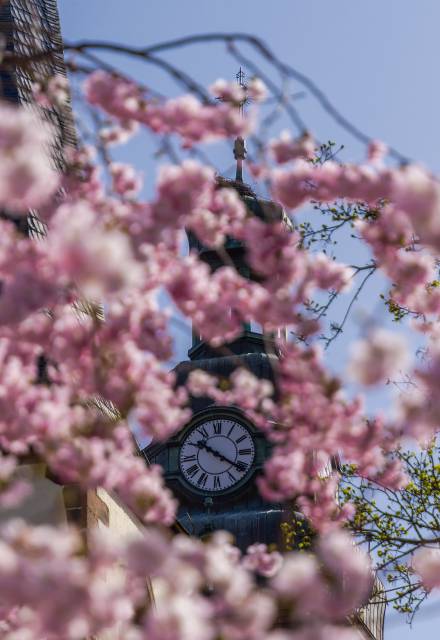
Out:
{"x": 201, "y": 444}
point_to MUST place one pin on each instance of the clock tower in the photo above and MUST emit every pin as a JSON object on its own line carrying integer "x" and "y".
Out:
{"x": 213, "y": 462}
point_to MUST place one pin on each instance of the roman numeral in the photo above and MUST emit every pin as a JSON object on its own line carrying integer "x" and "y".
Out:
{"x": 244, "y": 452}
{"x": 191, "y": 472}
{"x": 217, "y": 428}
{"x": 201, "y": 481}
{"x": 240, "y": 439}
{"x": 203, "y": 431}
{"x": 231, "y": 429}
{"x": 216, "y": 482}
{"x": 189, "y": 458}
{"x": 231, "y": 476}
{"x": 241, "y": 466}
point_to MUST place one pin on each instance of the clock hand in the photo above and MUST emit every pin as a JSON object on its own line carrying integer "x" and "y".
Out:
{"x": 201, "y": 444}
{"x": 217, "y": 454}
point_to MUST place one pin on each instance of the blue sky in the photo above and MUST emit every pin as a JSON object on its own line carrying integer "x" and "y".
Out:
{"x": 375, "y": 60}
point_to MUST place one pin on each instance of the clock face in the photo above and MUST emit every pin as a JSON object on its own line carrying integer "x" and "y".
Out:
{"x": 216, "y": 454}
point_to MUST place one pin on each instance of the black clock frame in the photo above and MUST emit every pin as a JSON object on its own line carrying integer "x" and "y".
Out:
{"x": 173, "y": 472}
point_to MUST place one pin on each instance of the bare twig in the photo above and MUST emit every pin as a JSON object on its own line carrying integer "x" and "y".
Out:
{"x": 149, "y": 54}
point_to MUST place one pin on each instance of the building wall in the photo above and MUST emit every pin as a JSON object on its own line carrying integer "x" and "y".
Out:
{"x": 106, "y": 511}
{"x": 44, "y": 505}
{"x": 32, "y": 35}
{"x": 371, "y": 618}
{"x": 32, "y": 29}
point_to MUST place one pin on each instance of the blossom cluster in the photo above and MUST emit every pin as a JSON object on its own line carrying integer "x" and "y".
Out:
{"x": 403, "y": 235}
{"x": 426, "y": 563}
{"x": 26, "y": 177}
{"x": 74, "y": 374}
{"x": 49, "y": 588}
{"x": 116, "y": 247}
{"x": 186, "y": 116}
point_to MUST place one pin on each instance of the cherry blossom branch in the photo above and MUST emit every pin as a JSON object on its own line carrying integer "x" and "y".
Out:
{"x": 339, "y": 328}
{"x": 147, "y": 54}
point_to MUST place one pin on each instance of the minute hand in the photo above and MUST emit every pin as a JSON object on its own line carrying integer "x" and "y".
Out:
{"x": 202, "y": 445}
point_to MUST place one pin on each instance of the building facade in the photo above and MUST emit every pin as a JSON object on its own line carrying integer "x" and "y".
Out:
{"x": 30, "y": 30}
{"x": 32, "y": 35}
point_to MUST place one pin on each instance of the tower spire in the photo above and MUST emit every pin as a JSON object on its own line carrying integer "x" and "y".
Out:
{"x": 239, "y": 143}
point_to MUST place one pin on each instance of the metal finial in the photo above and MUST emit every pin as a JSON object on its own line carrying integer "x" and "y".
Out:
{"x": 241, "y": 77}
{"x": 239, "y": 144}
{"x": 241, "y": 80}
{"x": 239, "y": 155}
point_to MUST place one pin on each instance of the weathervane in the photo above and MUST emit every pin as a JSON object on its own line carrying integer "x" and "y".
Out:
{"x": 241, "y": 78}
{"x": 239, "y": 144}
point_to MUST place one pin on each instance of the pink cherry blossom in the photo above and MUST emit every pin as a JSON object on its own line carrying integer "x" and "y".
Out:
{"x": 376, "y": 151}
{"x": 201, "y": 383}
{"x": 292, "y": 187}
{"x": 256, "y": 90}
{"x": 379, "y": 356}
{"x": 328, "y": 274}
{"x": 113, "y": 93}
{"x": 274, "y": 253}
{"x": 97, "y": 259}
{"x": 302, "y": 579}
{"x": 181, "y": 190}
{"x": 179, "y": 617}
{"x": 426, "y": 563}
{"x": 227, "y": 91}
{"x": 118, "y": 133}
{"x": 185, "y": 115}
{"x": 286, "y": 148}
{"x": 54, "y": 91}
{"x": 417, "y": 193}
{"x": 26, "y": 177}
{"x": 259, "y": 559}
{"x": 56, "y": 589}
{"x": 225, "y": 213}
{"x": 62, "y": 357}
{"x": 125, "y": 181}
{"x": 32, "y": 283}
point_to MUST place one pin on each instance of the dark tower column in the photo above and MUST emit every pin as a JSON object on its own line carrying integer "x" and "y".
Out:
{"x": 212, "y": 464}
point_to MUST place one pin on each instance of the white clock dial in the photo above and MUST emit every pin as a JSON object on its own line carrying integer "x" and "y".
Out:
{"x": 216, "y": 454}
